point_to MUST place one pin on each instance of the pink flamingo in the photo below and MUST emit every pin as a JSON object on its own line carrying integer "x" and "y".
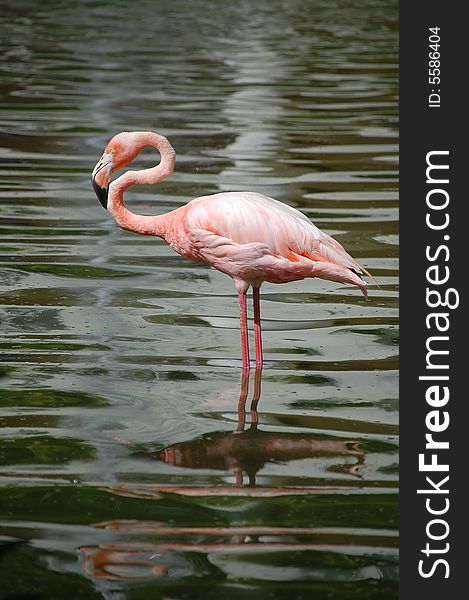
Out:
{"x": 248, "y": 236}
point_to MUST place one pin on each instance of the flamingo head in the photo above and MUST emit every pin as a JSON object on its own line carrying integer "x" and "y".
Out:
{"x": 120, "y": 151}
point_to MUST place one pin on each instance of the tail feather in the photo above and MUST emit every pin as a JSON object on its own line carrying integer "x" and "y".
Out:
{"x": 330, "y": 250}
{"x": 364, "y": 290}
{"x": 334, "y": 272}
{"x": 375, "y": 281}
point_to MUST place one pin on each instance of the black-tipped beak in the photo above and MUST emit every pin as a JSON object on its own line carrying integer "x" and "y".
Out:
{"x": 100, "y": 179}
{"x": 102, "y": 193}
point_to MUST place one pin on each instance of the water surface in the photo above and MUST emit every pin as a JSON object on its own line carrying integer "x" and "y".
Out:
{"x": 128, "y": 466}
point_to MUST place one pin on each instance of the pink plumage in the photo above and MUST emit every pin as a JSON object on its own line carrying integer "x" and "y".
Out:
{"x": 250, "y": 237}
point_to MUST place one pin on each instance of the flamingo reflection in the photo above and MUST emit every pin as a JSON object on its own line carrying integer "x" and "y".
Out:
{"x": 120, "y": 562}
{"x": 248, "y": 449}
{"x": 244, "y": 452}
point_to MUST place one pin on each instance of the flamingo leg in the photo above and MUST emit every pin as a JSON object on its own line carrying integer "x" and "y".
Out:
{"x": 257, "y": 327}
{"x": 243, "y": 394}
{"x": 243, "y": 324}
{"x": 255, "y": 398}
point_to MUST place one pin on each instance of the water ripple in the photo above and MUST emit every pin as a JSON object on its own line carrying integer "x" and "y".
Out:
{"x": 128, "y": 437}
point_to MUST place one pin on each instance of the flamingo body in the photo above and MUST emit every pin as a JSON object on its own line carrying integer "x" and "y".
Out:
{"x": 250, "y": 237}
{"x": 253, "y": 238}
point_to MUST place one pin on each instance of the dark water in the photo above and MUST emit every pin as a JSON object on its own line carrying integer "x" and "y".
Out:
{"x": 126, "y": 468}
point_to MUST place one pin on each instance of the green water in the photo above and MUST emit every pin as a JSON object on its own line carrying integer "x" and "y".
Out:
{"x": 127, "y": 467}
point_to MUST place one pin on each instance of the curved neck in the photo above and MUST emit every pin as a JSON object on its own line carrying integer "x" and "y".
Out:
{"x": 126, "y": 219}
